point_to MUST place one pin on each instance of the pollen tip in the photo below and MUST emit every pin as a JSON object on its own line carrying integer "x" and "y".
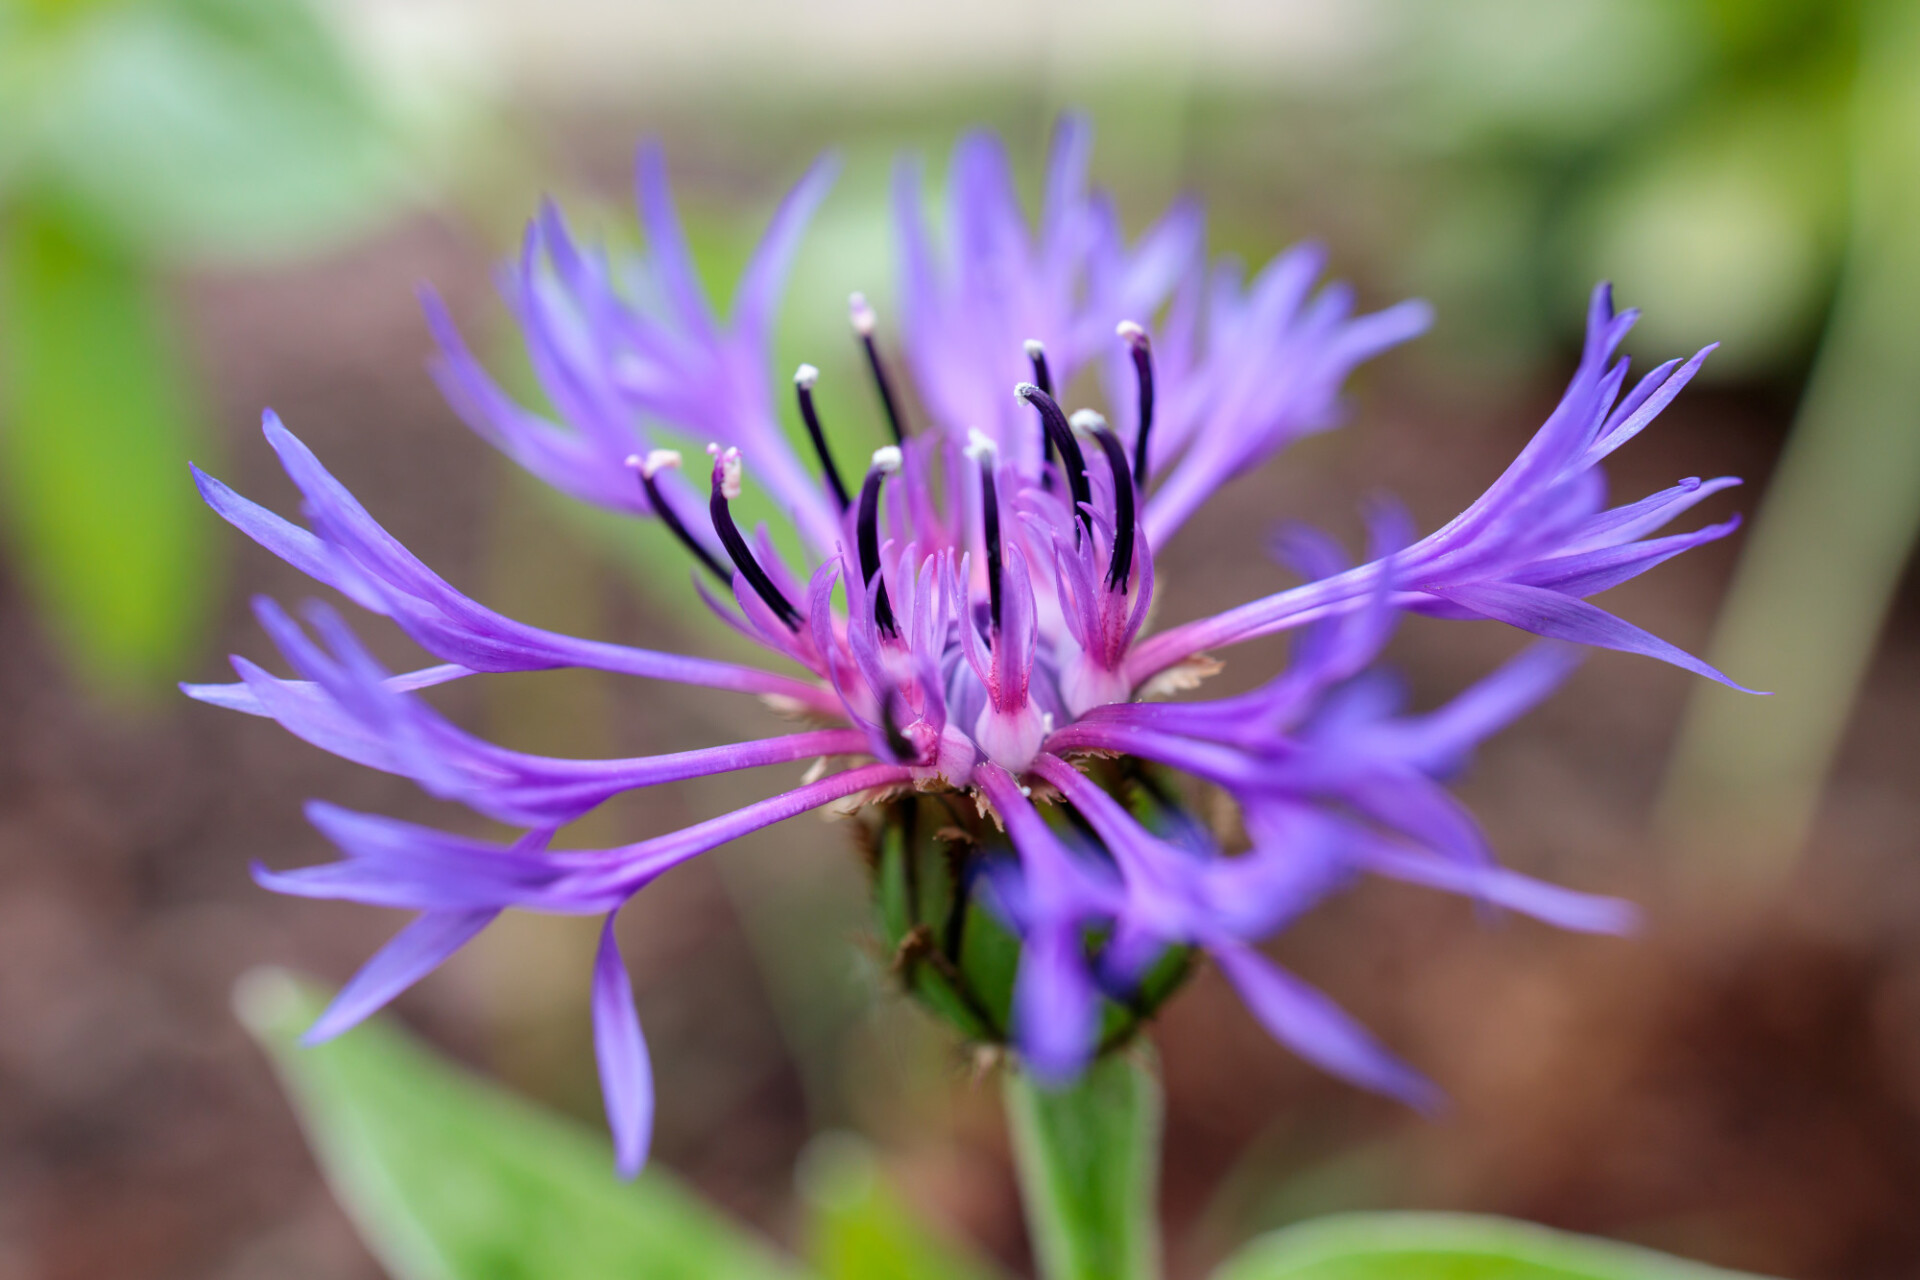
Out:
{"x": 1131, "y": 332}
{"x": 886, "y": 459}
{"x": 805, "y": 376}
{"x": 730, "y": 467}
{"x": 656, "y": 461}
{"x": 1086, "y": 421}
{"x": 1025, "y": 391}
{"x": 861, "y": 314}
{"x": 1034, "y": 348}
{"x": 980, "y": 447}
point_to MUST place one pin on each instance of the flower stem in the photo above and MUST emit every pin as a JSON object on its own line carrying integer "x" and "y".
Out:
{"x": 1088, "y": 1158}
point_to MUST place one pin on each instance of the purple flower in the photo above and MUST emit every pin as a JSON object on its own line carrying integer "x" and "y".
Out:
{"x": 970, "y": 615}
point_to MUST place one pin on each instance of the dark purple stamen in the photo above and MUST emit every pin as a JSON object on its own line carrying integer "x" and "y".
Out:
{"x": 990, "y": 529}
{"x": 736, "y": 545}
{"x": 1042, "y": 378}
{"x": 803, "y": 380}
{"x": 1037, "y": 356}
{"x": 884, "y": 461}
{"x": 863, "y": 321}
{"x": 646, "y": 467}
{"x": 897, "y": 740}
{"x": 1062, "y": 436}
{"x": 1142, "y": 352}
{"x": 1120, "y": 565}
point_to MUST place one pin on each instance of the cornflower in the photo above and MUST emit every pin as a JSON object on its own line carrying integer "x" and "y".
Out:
{"x": 966, "y": 638}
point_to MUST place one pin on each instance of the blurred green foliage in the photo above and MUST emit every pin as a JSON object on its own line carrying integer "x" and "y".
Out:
{"x": 195, "y": 127}
{"x": 450, "y": 1178}
{"x": 1448, "y": 1246}
{"x": 1839, "y": 523}
{"x": 859, "y": 1229}
{"x": 1693, "y": 151}
{"x": 136, "y": 136}
{"x": 99, "y": 421}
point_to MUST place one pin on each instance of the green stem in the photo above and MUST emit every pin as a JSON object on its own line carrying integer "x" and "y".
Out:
{"x": 1088, "y": 1158}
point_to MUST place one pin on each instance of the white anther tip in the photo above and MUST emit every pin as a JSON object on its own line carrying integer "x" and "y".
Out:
{"x": 731, "y": 465}
{"x": 1131, "y": 332}
{"x": 861, "y": 314}
{"x": 1086, "y": 421}
{"x": 1035, "y": 348}
{"x": 1025, "y": 391}
{"x": 886, "y": 459}
{"x": 655, "y": 462}
{"x": 805, "y": 376}
{"x": 980, "y": 447}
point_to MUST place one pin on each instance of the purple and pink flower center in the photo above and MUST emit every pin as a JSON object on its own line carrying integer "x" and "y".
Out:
{"x": 957, "y": 645}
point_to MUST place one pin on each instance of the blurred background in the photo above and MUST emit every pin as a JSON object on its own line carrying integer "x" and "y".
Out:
{"x": 212, "y": 206}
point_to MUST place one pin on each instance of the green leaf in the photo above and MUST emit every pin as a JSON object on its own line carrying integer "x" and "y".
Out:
{"x": 860, "y": 1230}
{"x": 450, "y": 1178}
{"x": 200, "y": 126}
{"x": 1448, "y": 1246}
{"x": 1088, "y": 1158}
{"x": 96, "y": 427}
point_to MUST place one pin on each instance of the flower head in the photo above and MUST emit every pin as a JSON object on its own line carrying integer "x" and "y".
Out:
{"x": 970, "y": 622}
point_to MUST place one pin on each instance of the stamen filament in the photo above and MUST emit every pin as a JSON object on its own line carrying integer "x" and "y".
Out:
{"x": 726, "y": 484}
{"x": 647, "y": 468}
{"x": 1062, "y": 436}
{"x": 897, "y": 740}
{"x": 1142, "y": 351}
{"x": 1120, "y": 564}
{"x": 982, "y": 450}
{"x": 1042, "y": 378}
{"x": 803, "y": 379}
{"x": 863, "y": 324}
{"x": 885, "y": 461}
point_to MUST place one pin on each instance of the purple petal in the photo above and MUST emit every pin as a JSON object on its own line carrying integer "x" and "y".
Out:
{"x": 1637, "y": 519}
{"x": 1435, "y": 742}
{"x": 413, "y": 953}
{"x": 1066, "y": 183}
{"x": 1564, "y": 908}
{"x": 238, "y": 697}
{"x": 759, "y": 292}
{"x": 458, "y": 629}
{"x": 1055, "y": 1005}
{"x": 1588, "y": 573}
{"x": 626, "y": 1075}
{"x": 1557, "y": 617}
{"x": 1644, "y": 413}
{"x": 666, "y": 244}
{"x": 1369, "y": 335}
{"x": 300, "y": 548}
{"x": 1314, "y": 1027}
{"x": 563, "y": 458}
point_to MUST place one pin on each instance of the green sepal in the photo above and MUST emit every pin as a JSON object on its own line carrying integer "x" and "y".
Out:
{"x": 945, "y": 935}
